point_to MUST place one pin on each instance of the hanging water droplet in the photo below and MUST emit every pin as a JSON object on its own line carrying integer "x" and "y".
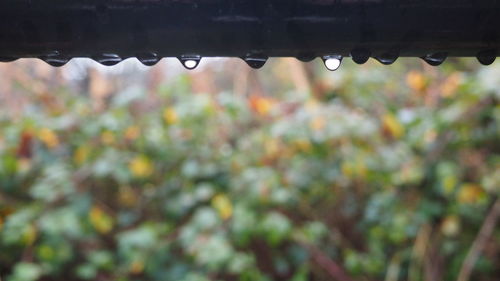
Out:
{"x": 148, "y": 59}
{"x": 487, "y": 57}
{"x": 387, "y": 58}
{"x": 190, "y": 62}
{"x": 255, "y": 61}
{"x": 435, "y": 59}
{"x": 7, "y": 59}
{"x": 107, "y": 59}
{"x": 306, "y": 57}
{"x": 332, "y": 62}
{"x": 55, "y": 61}
{"x": 360, "y": 56}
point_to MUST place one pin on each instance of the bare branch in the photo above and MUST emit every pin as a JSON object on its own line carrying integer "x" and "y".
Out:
{"x": 479, "y": 243}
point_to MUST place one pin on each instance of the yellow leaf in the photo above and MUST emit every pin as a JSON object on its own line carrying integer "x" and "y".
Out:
{"x": 353, "y": 169}
{"x": 361, "y": 169}
{"x": 272, "y": 147}
{"x": 170, "y": 115}
{"x": 81, "y": 154}
{"x": 449, "y": 183}
{"x": 450, "y": 85}
{"x": 261, "y": 105}
{"x": 29, "y": 235}
{"x": 347, "y": 169}
{"x": 48, "y": 137}
{"x": 132, "y": 133}
{"x": 107, "y": 137}
{"x": 392, "y": 125}
{"x": 100, "y": 220}
{"x": 303, "y": 145}
{"x": 416, "y": 81}
{"x": 46, "y": 252}
{"x": 127, "y": 197}
{"x": 223, "y": 206}
{"x": 141, "y": 167}
{"x": 137, "y": 267}
{"x": 450, "y": 225}
{"x": 470, "y": 193}
{"x": 318, "y": 123}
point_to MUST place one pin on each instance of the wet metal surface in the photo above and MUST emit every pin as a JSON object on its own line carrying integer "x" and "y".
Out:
{"x": 111, "y": 30}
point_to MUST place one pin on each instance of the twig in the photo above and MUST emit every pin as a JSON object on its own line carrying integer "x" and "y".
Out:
{"x": 394, "y": 268}
{"x": 419, "y": 251}
{"x": 329, "y": 265}
{"x": 479, "y": 243}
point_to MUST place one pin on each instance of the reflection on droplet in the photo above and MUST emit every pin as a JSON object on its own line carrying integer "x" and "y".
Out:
{"x": 387, "y": 58}
{"x": 487, "y": 57}
{"x": 435, "y": 59}
{"x": 360, "y": 56}
{"x": 255, "y": 61}
{"x": 190, "y": 62}
{"x": 107, "y": 59}
{"x": 57, "y": 62}
{"x": 332, "y": 62}
{"x": 55, "y": 59}
{"x": 148, "y": 59}
{"x": 7, "y": 59}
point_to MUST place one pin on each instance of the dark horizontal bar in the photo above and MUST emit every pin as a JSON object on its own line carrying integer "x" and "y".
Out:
{"x": 108, "y": 29}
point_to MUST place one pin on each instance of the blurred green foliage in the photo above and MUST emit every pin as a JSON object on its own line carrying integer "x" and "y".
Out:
{"x": 384, "y": 172}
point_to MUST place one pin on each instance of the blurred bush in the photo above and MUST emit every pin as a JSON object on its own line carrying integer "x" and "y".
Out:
{"x": 289, "y": 173}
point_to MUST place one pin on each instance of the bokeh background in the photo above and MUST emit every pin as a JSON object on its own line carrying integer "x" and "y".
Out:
{"x": 290, "y": 172}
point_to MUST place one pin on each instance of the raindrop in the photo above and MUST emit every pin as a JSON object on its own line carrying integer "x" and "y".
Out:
{"x": 360, "y": 56}
{"x": 332, "y": 62}
{"x": 148, "y": 59}
{"x": 435, "y": 59}
{"x": 387, "y": 58}
{"x": 256, "y": 61}
{"x": 107, "y": 59}
{"x": 190, "y": 62}
{"x": 54, "y": 59}
{"x": 7, "y": 59}
{"x": 487, "y": 57}
{"x": 306, "y": 57}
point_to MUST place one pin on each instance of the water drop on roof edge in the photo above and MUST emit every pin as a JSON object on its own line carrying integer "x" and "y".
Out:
{"x": 435, "y": 59}
{"x": 107, "y": 59}
{"x": 148, "y": 59}
{"x": 487, "y": 57}
{"x": 360, "y": 56}
{"x": 190, "y": 62}
{"x": 387, "y": 58}
{"x": 332, "y": 62}
{"x": 255, "y": 61}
